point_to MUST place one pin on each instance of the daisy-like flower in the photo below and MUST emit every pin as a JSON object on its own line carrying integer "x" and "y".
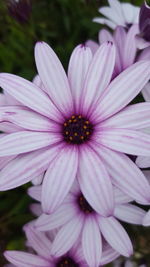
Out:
{"x": 127, "y": 263}
{"x": 79, "y": 221}
{"x": 143, "y": 39}
{"x": 124, "y": 14}
{"x": 20, "y": 10}
{"x": 41, "y": 243}
{"x": 79, "y": 128}
{"x": 126, "y": 47}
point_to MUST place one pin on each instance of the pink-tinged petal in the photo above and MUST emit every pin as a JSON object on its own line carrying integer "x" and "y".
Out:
{"x": 119, "y": 39}
{"x": 108, "y": 255}
{"x": 130, "y": 48}
{"x": 67, "y": 236}
{"x": 129, "y": 213}
{"x": 37, "y": 81}
{"x": 59, "y": 178}
{"x": 104, "y": 36}
{"x": 95, "y": 182}
{"x": 145, "y": 54}
{"x": 118, "y": 93}
{"x": 94, "y": 86}
{"x": 30, "y": 95}
{"x": 53, "y": 77}
{"x": 126, "y": 175}
{"x": 146, "y": 220}
{"x": 38, "y": 241}
{"x": 126, "y": 141}
{"x": 121, "y": 197}
{"x": 105, "y": 21}
{"x": 143, "y": 162}
{"x": 38, "y": 179}
{"x": 23, "y": 168}
{"x": 36, "y": 209}
{"x": 7, "y": 127}
{"x": 132, "y": 117}
{"x": 26, "y": 141}
{"x": 146, "y": 92}
{"x": 27, "y": 119}
{"x": 92, "y": 45}
{"x": 141, "y": 43}
{"x": 5, "y": 160}
{"x": 91, "y": 242}
{"x": 77, "y": 71}
{"x": 147, "y": 175}
{"x": 35, "y": 192}
{"x": 116, "y": 236}
{"x": 63, "y": 214}
{"x": 2, "y": 100}
{"x": 23, "y": 259}
{"x": 10, "y": 100}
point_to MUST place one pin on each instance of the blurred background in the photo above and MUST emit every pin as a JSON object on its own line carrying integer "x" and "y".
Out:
{"x": 63, "y": 24}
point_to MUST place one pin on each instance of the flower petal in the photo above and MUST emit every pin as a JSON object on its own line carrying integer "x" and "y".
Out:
{"x": 143, "y": 162}
{"x": 27, "y": 119}
{"x": 35, "y": 192}
{"x": 38, "y": 241}
{"x": 23, "y": 259}
{"x": 146, "y": 92}
{"x": 116, "y": 236}
{"x": 30, "y": 95}
{"x": 92, "y": 45}
{"x": 95, "y": 183}
{"x": 132, "y": 117}
{"x": 2, "y": 100}
{"x": 129, "y": 213}
{"x": 126, "y": 141}
{"x": 77, "y": 71}
{"x": 59, "y": 178}
{"x": 105, "y": 21}
{"x": 67, "y": 236}
{"x": 146, "y": 221}
{"x": 36, "y": 209}
{"x": 121, "y": 197}
{"x": 26, "y": 141}
{"x": 118, "y": 94}
{"x": 126, "y": 175}
{"x": 104, "y": 36}
{"x": 63, "y": 214}
{"x": 53, "y": 77}
{"x": 91, "y": 242}
{"x": 98, "y": 76}
{"x": 24, "y": 167}
{"x": 108, "y": 255}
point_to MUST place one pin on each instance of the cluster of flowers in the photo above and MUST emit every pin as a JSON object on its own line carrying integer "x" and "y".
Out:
{"x": 73, "y": 136}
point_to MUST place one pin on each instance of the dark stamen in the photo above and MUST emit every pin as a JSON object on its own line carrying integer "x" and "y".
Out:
{"x": 84, "y": 205}
{"x": 67, "y": 262}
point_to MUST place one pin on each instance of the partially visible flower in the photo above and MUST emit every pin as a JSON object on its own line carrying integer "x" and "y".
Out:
{"x": 146, "y": 220}
{"x": 126, "y": 47}
{"x": 42, "y": 243}
{"x": 79, "y": 221}
{"x": 143, "y": 39}
{"x": 20, "y": 10}
{"x": 124, "y": 14}
{"x": 127, "y": 263}
{"x": 79, "y": 128}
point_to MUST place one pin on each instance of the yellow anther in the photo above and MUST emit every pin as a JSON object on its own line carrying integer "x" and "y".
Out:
{"x": 87, "y": 133}
{"x": 82, "y": 137}
{"x": 79, "y": 116}
{"x": 73, "y": 117}
{"x": 65, "y": 124}
{"x": 87, "y": 122}
{"x": 67, "y": 133}
{"x": 85, "y": 127}
{"x": 70, "y": 121}
{"x": 75, "y": 134}
{"x": 74, "y": 120}
{"x": 71, "y": 138}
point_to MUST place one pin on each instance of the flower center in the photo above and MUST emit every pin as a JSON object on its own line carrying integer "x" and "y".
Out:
{"x": 84, "y": 205}
{"x": 77, "y": 130}
{"x": 66, "y": 262}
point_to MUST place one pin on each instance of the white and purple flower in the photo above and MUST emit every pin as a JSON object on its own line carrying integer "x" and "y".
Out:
{"x": 79, "y": 127}
{"x": 123, "y": 14}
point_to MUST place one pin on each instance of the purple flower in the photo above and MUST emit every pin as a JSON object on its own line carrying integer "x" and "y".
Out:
{"x": 41, "y": 243}
{"x": 79, "y": 221}
{"x": 126, "y": 47}
{"x": 19, "y": 9}
{"x": 78, "y": 128}
{"x": 124, "y": 14}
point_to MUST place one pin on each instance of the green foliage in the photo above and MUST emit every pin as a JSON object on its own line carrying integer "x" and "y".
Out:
{"x": 63, "y": 24}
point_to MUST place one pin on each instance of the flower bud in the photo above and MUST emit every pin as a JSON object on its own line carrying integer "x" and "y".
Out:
{"x": 19, "y": 9}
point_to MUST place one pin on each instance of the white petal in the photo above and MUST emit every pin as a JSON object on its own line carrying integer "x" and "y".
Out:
{"x": 129, "y": 213}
